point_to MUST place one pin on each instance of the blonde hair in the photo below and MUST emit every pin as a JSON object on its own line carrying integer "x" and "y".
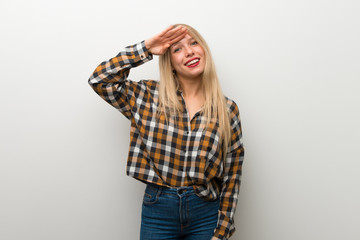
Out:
{"x": 215, "y": 107}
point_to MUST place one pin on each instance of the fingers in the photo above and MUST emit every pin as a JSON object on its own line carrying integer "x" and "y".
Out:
{"x": 166, "y": 30}
{"x": 177, "y": 38}
{"x": 174, "y": 32}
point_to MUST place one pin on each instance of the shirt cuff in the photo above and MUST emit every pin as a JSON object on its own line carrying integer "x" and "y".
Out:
{"x": 224, "y": 229}
{"x": 142, "y": 54}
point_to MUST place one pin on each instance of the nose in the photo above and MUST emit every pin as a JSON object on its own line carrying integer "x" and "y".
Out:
{"x": 189, "y": 51}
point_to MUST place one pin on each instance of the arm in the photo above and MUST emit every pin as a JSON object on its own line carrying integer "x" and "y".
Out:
{"x": 109, "y": 79}
{"x": 231, "y": 181}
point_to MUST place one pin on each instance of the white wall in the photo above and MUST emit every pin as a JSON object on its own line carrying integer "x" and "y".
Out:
{"x": 292, "y": 67}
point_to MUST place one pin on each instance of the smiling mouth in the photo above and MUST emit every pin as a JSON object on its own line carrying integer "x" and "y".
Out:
{"x": 192, "y": 62}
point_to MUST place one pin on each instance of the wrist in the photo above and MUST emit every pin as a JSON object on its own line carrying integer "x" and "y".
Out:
{"x": 147, "y": 45}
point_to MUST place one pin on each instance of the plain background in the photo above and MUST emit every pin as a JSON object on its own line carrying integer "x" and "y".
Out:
{"x": 291, "y": 66}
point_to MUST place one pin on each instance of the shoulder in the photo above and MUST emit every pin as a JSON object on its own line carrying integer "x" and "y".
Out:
{"x": 234, "y": 116}
{"x": 232, "y": 107}
{"x": 150, "y": 86}
{"x": 151, "y": 89}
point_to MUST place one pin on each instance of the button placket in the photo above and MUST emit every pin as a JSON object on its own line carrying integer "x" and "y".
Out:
{"x": 187, "y": 132}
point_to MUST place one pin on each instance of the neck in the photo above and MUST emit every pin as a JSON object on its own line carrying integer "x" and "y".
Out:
{"x": 191, "y": 87}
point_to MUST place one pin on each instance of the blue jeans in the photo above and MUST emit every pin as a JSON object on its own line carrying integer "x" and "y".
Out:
{"x": 177, "y": 214}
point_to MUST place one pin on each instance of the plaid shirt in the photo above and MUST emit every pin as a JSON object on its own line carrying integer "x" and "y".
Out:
{"x": 180, "y": 152}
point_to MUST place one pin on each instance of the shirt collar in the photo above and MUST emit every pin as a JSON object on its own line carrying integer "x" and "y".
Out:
{"x": 179, "y": 91}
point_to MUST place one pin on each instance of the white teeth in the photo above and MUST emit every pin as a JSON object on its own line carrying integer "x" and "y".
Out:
{"x": 192, "y": 62}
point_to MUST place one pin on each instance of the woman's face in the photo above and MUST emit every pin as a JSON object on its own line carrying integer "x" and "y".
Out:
{"x": 187, "y": 58}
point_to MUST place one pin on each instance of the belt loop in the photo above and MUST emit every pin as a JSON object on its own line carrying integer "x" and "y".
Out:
{"x": 159, "y": 191}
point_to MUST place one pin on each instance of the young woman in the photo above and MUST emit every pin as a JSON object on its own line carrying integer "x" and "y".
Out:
{"x": 185, "y": 136}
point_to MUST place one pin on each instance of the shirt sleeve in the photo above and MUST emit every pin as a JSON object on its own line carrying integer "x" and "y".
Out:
{"x": 109, "y": 79}
{"x": 231, "y": 181}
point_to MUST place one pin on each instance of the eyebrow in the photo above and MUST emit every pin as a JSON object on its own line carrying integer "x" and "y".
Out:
{"x": 174, "y": 44}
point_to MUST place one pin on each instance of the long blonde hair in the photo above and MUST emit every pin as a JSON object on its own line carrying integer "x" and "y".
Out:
{"x": 215, "y": 103}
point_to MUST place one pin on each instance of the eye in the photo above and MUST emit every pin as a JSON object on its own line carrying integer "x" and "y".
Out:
{"x": 176, "y": 50}
{"x": 194, "y": 43}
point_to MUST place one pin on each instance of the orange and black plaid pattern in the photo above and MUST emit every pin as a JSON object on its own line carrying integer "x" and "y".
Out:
{"x": 176, "y": 152}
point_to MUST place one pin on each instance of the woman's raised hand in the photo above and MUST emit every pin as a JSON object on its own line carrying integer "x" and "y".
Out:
{"x": 159, "y": 43}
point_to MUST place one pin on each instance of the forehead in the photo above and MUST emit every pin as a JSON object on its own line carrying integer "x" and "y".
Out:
{"x": 184, "y": 39}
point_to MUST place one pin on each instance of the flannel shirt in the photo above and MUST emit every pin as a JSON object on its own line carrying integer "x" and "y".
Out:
{"x": 176, "y": 152}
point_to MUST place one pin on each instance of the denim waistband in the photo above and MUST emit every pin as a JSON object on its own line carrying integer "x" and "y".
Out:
{"x": 172, "y": 190}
